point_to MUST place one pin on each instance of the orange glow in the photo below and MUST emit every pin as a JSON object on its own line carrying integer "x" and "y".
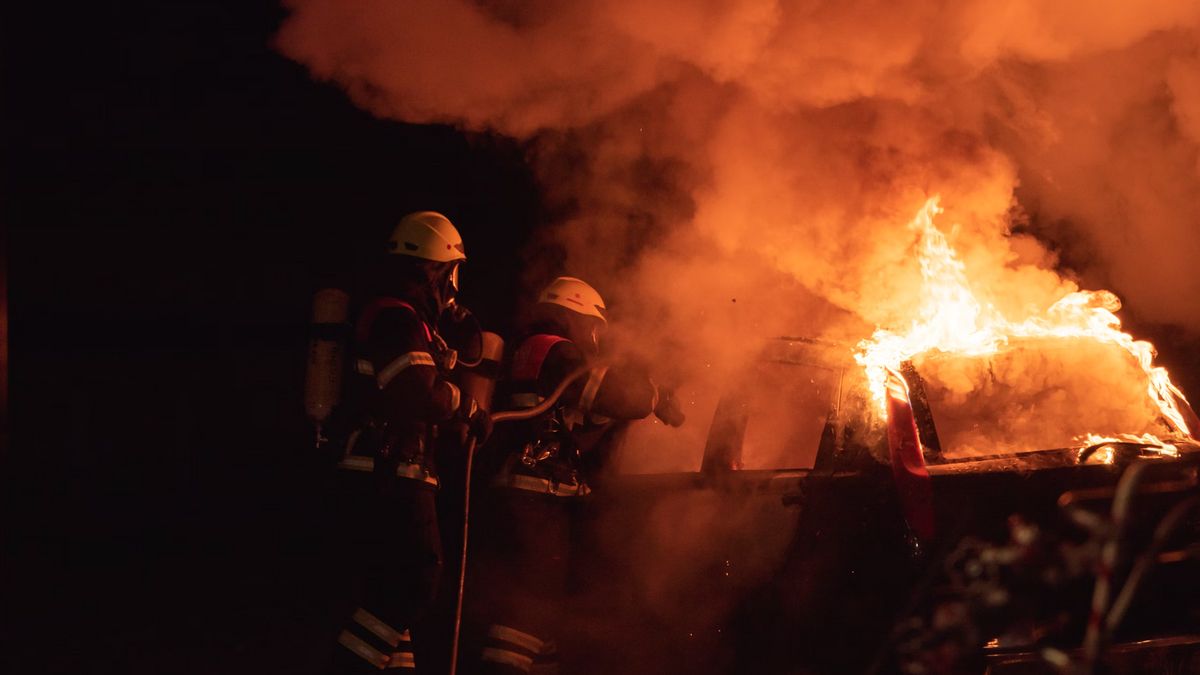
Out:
{"x": 952, "y": 319}
{"x": 1106, "y": 454}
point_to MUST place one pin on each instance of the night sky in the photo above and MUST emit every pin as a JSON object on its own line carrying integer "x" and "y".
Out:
{"x": 173, "y": 192}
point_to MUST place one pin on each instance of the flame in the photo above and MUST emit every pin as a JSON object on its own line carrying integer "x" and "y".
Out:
{"x": 952, "y": 319}
{"x": 1106, "y": 453}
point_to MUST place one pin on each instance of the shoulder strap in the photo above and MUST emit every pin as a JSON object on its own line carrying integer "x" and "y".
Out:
{"x": 362, "y": 330}
{"x": 529, "y": 357}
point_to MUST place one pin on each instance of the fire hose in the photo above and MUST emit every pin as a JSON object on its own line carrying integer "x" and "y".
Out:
{"x": 497, "y": 418}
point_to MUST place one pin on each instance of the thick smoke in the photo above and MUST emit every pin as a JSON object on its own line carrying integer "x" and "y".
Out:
{"x": 730, "y": 170}
{"x": 736, "y": 169}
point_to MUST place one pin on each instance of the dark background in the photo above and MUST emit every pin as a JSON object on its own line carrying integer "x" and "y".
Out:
{"x": 173, "y": 191}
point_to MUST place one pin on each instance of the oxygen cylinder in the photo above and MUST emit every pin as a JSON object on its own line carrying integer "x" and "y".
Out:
{"x": 480, "y": 380}
{"x": 328, "y": 330}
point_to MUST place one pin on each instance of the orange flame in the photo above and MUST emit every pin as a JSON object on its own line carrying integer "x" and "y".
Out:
{"x": 952, "y": 319}
{"x": 1105, "y": 454}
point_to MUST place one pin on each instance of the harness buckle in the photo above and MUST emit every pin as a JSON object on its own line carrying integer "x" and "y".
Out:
{"x": 537, "y": 451}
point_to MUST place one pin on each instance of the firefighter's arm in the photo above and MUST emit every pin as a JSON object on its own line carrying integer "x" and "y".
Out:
{"x": 627, "y": 392}
{"x": 405, "y": 371}
{"x": 623, "y": 391}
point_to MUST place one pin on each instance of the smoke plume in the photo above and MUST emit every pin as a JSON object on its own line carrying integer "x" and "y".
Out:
{"x": 745, "y": 168}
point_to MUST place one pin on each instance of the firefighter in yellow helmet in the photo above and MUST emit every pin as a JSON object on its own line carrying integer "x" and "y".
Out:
{"x": 544, "y": 466}
{"x": 399, "y": 395}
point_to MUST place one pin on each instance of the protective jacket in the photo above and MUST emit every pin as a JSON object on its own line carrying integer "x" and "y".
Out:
{"x": 548, "y": 454}
{"x": 522, "y": 569}
{"x": 402, "y": 390}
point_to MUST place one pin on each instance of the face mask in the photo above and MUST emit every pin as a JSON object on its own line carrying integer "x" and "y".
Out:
{"x": 449, "y": 287}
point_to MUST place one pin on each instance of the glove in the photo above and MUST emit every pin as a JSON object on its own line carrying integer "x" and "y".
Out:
{"x": 474, "y": 421}
{"x": 480, "y": 425}
{"x": 668, "y": 409}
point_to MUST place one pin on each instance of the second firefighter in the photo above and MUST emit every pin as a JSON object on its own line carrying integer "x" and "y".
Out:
{"x": 543, "y": 470}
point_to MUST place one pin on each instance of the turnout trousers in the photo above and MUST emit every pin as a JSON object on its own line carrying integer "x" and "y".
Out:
{"x": 393, "y": 548}
{"x": 519, "y": 580}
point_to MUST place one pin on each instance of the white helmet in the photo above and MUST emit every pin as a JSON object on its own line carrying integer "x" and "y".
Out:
{"x": 428, "y": 235}
{"x": 576, "y": 295}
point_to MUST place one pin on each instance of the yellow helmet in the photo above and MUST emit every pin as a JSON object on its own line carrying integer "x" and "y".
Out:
{"x": 576, "y": 295}
{"x": 428, "y": 235}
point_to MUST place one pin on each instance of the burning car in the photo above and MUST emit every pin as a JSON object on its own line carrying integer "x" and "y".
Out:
{"x": 1010, "y": 497}
{"x": 827, "y": 548}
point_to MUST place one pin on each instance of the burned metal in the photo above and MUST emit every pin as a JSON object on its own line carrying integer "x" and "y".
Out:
{"x": 1006, "y": 584}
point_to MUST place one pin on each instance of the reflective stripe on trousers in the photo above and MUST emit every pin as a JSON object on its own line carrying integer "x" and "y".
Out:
{"x": 516, "y": 649}
{"x": 376, "y": 643}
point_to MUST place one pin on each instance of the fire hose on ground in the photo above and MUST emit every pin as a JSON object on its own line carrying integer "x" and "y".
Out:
{"x": 497, "y": 418}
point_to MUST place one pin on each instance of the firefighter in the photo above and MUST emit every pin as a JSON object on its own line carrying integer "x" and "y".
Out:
{"x": 543, "y": 473}
{"x": 399, "y": 396}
